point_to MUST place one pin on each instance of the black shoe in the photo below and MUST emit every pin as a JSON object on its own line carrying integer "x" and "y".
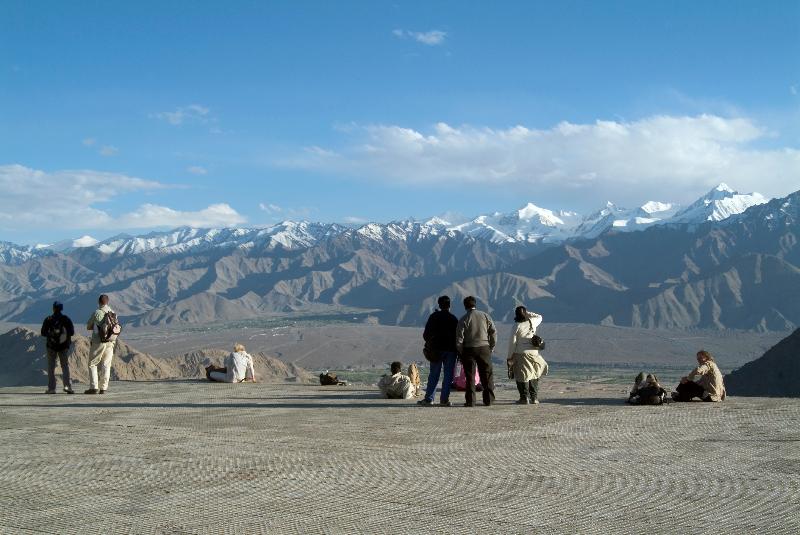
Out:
{"x": 101, "y": 392}
{"x": 425, "y": 402}
{"x": 469, "y": 404}
{"x": 522, "y": 401}
{"x": 48, "y": 391}
{"x": 69, "y": 390}
{"x": 444, "y": 403}
{"x": 90, "y": 391}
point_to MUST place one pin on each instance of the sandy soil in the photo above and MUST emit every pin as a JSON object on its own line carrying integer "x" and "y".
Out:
{"x": 193, "y": 457}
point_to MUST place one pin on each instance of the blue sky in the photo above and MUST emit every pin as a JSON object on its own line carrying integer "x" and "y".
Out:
{"x": 140, "y": 115}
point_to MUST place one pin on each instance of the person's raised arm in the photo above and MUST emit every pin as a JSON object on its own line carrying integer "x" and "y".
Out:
{"x": 536, "y": 319}
{"x": 44, "y": 326}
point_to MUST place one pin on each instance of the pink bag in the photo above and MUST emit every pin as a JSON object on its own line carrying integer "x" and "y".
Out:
{"x": 460, "y": 379}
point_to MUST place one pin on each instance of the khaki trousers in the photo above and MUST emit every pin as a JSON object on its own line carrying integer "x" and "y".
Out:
{"x": 101, "y": 354}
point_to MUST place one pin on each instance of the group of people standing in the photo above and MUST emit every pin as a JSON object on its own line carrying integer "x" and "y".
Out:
{"x": 472, "y": 339}
{"x": 58, "y": 329}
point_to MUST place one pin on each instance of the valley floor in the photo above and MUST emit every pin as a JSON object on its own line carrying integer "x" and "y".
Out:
{"x": 194, "y": 457}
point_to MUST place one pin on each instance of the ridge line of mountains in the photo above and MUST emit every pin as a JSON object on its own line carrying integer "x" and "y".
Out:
{"x": 726, "y": 261}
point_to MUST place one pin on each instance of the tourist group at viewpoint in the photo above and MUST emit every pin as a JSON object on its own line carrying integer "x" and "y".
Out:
{"x": 469, "y": 340}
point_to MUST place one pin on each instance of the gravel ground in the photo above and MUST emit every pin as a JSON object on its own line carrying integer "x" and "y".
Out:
{"x": 193, "y": 457}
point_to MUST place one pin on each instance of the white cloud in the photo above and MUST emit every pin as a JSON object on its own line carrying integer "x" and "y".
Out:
{"x": 194, "y": 113}
{"x": 658, "y": 157}
{"x": 270, "y": 208}
{"x": 793, "y": 89}
{"x": 35, "y": 199}
{"x": 430, "y": 38}
{"x": 278, "y": 212}
{"x": 153, "y": 215}
{"x": 197, "y": 170}
{"x": 89, "y": 142}
{"x": 354, "y": 220}
{"x": 108, "y": 150}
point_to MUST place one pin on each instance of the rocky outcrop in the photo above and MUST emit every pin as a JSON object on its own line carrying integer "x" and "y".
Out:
{"x": 776, "y": 374}
{"x": 23, "y": 361}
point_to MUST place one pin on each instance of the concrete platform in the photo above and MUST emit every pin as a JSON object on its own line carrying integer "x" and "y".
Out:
{"x": 192, "y": 457}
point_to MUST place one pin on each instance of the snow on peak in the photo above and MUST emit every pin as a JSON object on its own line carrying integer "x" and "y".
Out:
{"x": 545, "y": 216}
{"x": 722, "y": 186}
{"x": 720, "y": 203}
{"x": 654, "y": 207}
{"x": 84, "y": 241}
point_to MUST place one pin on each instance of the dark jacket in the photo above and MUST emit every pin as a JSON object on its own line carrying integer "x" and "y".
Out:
{"x": 66, "y": 323}
{"x": 440, "y": 331}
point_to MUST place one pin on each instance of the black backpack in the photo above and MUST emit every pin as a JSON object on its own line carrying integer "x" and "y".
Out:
{"x": 57, "y": 333}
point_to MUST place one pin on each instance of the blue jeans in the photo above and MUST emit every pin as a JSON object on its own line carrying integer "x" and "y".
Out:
{"x": 449, "y": 363}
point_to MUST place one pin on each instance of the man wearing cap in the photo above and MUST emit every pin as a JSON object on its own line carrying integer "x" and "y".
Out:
{"x": 59, "y": 330}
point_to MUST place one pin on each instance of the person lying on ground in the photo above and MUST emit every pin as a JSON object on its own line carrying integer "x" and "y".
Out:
{"x": 647, "y": 391}
{"x": 396, "y": 385}
{"x": 238, "y": 368}
{"x": 704, "y": 382}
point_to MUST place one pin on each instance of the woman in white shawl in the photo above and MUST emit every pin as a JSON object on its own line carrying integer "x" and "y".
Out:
{"x": 525, "y": 365}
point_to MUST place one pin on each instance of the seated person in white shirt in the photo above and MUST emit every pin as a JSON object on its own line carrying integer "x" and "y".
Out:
{"x": 397, "y": 385}
{"x": 238, "y": 368}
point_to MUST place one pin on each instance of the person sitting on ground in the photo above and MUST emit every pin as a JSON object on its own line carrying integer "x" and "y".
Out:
{"x": 238, "y": 368}
{"x": 327, "y": 378}
{"x": 646, "y": 390}
{"x": 525, "y": 364}
{"x": 413, "y": 374}
{"x": 59, "y": 330}
{"x": 704, "y": 382}
{"x": 396, "y": 385}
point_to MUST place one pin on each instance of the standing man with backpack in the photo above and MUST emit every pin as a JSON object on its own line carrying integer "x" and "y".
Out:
{"x": 105, "y": 329}
{"x": 440, "y": 341}
{"x": 475, "y": 341}
{"x": 59, "y": 330}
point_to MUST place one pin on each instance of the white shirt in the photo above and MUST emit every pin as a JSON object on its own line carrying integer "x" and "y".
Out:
{"x": 240, "y": 367}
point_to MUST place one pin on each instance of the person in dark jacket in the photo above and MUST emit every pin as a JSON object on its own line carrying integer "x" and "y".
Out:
{"x": 59, "y": 330}
{"x": 475, "y": 341}
{"x": 440, "y": 337}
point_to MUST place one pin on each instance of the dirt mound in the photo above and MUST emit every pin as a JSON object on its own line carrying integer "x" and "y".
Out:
{"x": 23, "y": 361}
{"x": 776, "y": 374}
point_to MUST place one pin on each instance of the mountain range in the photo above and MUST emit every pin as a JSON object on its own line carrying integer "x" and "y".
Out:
{"x": 728, "y": 260}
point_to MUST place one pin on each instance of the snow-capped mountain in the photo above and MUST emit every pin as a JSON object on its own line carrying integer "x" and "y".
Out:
{"x": 742, "y": 272}
{"x": 288, "y": 234}
{"x": 718, "y": 204}
{"x": 530, "y": 224}
{"x": 11, "y": 253}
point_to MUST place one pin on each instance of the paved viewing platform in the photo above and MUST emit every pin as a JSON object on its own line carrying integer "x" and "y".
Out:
{"x": 194, "y": 457}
